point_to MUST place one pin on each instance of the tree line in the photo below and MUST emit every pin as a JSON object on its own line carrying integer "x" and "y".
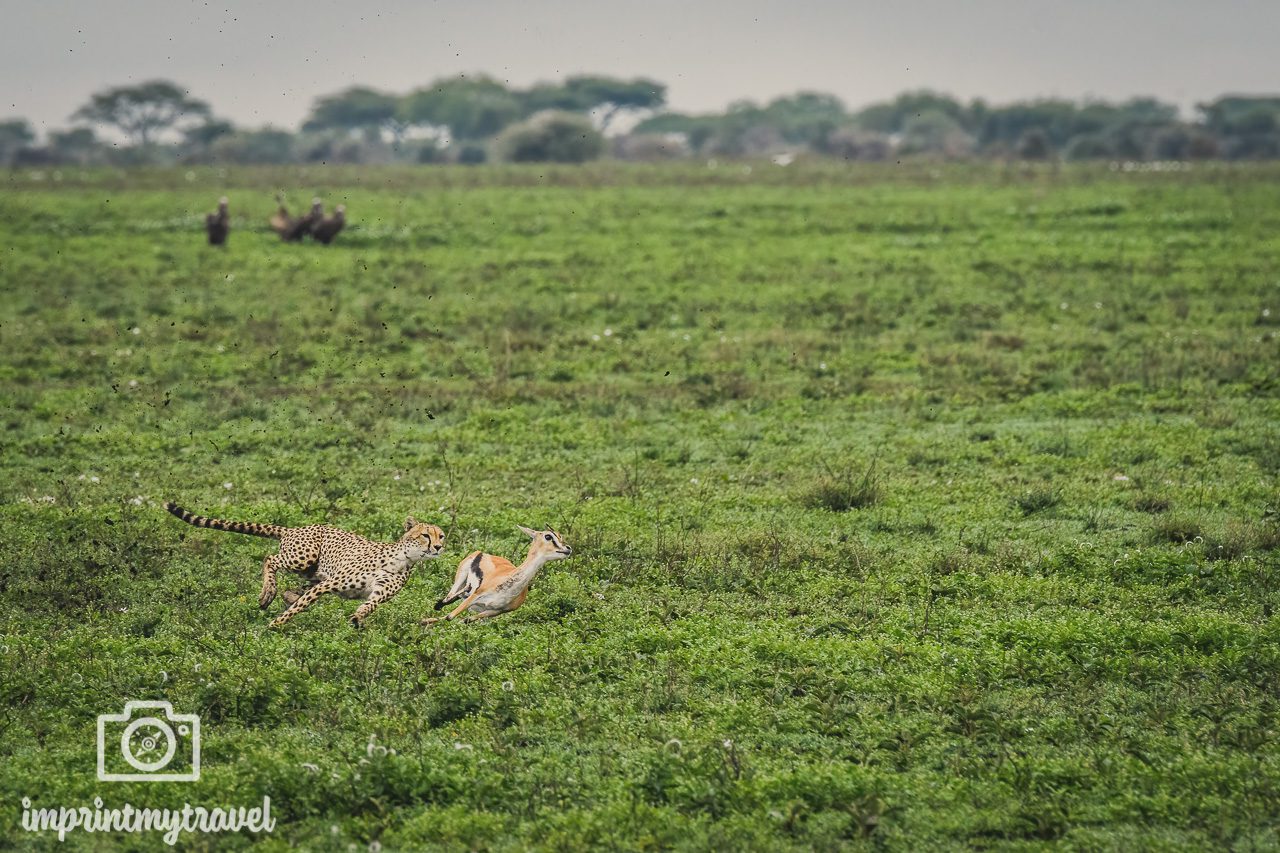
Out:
{"x": 475, "y": 118}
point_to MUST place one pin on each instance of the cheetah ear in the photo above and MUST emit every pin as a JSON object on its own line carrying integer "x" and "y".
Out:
{"x": 532, "y": 534}
{"x": 410, "y": 523}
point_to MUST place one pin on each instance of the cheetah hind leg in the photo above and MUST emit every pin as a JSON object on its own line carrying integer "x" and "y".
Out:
{"x": 268, "y": 594}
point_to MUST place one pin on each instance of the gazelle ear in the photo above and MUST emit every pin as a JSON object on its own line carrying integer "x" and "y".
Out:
{"x": 410, "y": 523}
{"x": 532, "y": 534}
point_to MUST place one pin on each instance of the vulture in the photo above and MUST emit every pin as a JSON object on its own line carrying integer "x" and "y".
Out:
{"x": 293, "y": 229}
{"x": 281, "y": 222}
{"x": 218, "y": 224}
{"x": 328, "y": 227}
{"x": 302, "y": 227}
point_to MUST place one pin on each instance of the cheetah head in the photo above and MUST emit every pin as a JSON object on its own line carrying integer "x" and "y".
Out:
{"x": 424, "y": 541}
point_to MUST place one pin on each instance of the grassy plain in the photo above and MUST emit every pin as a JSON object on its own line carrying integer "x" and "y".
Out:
{"x": 912, "y": 508}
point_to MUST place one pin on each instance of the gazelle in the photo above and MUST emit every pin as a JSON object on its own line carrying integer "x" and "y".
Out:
{"x": 490, "y": 585}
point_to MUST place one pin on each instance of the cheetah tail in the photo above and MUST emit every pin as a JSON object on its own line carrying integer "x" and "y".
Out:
{"x": 252, "y": 528}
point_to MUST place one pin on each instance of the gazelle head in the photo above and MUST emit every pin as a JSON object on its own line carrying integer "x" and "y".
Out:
{"x": 222, "y": 204}
{"x": 546, "y": 544}
{"x": 422, "y": 541}
{"x": 317, "y": 206}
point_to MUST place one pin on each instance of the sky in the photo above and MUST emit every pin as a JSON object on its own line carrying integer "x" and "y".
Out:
{"x": 262, "y": 63}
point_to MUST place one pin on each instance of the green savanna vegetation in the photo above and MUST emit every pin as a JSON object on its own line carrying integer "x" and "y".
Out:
{"x": 913, "y": 507}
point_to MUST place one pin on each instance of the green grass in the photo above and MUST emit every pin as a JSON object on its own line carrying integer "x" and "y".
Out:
{"x": 911, "y": 508}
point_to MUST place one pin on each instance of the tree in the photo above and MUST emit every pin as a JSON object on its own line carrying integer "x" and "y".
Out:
{"x": 141, "y": 112}
{"x": 78, "y": 146}
{"x": 201, "y": 135}
{"x": 805, "y": 118}
{"x": 892, "y": 117}
{"x": 15, "y": 134}
{"x": 472, "y": 108}
{"x": 851, "y": 143}
{"x": 606, "y": 96}
{"x": 1034, "y": 145}
{"x": 552, "y": 137}
{"x": 267, "y": 146}
{"x": 934, "y": 132}
{"x": 695, "y": 129}
{"x": 357, "y": 108}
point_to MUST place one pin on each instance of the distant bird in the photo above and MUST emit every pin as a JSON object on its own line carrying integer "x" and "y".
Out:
{"x": 281, "y": 221}
{"x": 328, "y": 227}
{"x": 302, "y": 227}
{"x": 218, "y": 224}
{"x": 292, "y": 229}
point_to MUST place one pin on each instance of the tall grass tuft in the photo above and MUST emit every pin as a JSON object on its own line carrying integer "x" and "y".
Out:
{"x": 843, "y": 488}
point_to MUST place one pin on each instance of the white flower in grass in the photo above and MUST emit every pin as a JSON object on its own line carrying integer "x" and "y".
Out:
{"x": 459, "y": 746}
{"x": 508, "y": 686}
{"x": 822, "y": 365}
{"x": 137, "y": 500}
{"x": 313, "y": 769}
{"x": 595, "y": 337}
{"x": 95, "y": 479}
{"x": 693, "y": 480}
{"x": 1266, "y": 312}
{"x": 395, "y": 477}
{"x": 1120, "y": 478}
{"x": 1064, "y": 306}
{"x": 135, "y": 331}
{"x": 227, "y": 485}
{"x": 220, "y": 348}
{"x": 608, "y": 333}
{"x": 133, "y": 383}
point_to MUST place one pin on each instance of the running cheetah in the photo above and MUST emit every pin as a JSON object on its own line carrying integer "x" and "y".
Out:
{"x": 332, "y": 560}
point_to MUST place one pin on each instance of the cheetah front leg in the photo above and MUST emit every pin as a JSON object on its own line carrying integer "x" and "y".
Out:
{"x": 381, "y": 593}
{"x": 304, "y": 601}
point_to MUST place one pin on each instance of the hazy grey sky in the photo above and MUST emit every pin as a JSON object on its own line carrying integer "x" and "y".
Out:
{"x": 265, "y": 62}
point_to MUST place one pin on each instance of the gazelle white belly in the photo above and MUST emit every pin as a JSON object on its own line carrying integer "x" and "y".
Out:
{"x": 499, "y": 599}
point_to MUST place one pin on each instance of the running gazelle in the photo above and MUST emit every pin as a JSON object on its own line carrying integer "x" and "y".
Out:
{"x": 489, "y": 585}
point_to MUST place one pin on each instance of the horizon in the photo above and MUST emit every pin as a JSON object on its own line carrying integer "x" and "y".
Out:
{"x": 708, "y": 59}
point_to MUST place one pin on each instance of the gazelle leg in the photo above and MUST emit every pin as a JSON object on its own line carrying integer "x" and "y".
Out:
{"x": 466, "y": 602}
{"x": 486, "y": 614}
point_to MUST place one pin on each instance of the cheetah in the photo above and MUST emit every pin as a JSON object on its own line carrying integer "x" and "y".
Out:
{"x": 490, "y": 585}
{"x": 332, "y": 560}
